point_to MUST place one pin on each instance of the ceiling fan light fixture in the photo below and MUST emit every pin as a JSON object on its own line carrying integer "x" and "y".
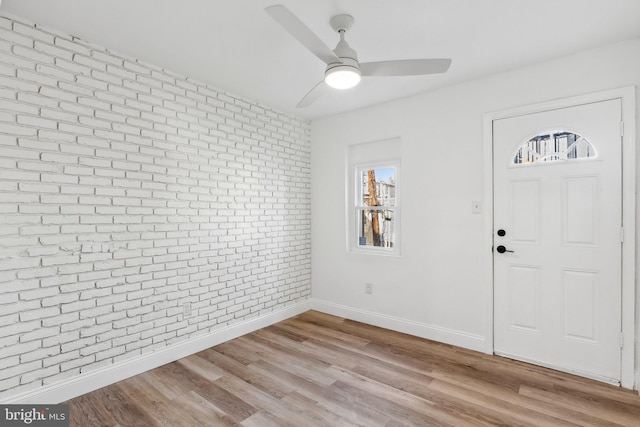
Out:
{"x": 342, "y": 77}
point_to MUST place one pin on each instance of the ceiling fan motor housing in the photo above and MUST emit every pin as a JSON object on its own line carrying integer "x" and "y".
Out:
{"x": 347, "y": 63}
{"x": 345, "y": 74}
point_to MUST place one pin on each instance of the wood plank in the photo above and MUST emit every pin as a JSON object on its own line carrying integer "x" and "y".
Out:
{"x": 202, "y": 410}
{"x": 311, "y": 329}
{"x": 597, "y": 409}
{"x": 335, "y": 400}
{"x": 236, "y": 369}
{"x": 88, "y": 411}
{"x": 278, "y": 410}
{"x": 122, "y": 409}
{"x": 202, "y": 367}
{"x": 152, "y": 402}
{"x": 320, "y": 414}
{"x": 311, "y": 369}
{"x": 505, "y": 410}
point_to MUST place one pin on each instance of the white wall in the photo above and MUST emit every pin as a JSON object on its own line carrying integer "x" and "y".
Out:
{"x": 127, "y": 191}
{"x": 436, "y": 287}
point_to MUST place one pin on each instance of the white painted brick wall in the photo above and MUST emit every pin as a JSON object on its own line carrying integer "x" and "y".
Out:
{"x": 126, "y": 191}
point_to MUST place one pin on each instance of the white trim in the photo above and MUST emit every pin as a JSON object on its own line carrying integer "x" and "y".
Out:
{"x": 422, "y": 330}
{"x": 627, "y": 96}
{"x": 86, "y": 383}
{"x": 487, "y": 232}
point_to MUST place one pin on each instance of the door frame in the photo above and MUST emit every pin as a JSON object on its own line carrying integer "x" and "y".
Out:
{"x": 627, "y": 97}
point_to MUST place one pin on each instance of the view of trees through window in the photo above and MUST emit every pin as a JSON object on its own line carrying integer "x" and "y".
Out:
{"x": 377, "y": 207}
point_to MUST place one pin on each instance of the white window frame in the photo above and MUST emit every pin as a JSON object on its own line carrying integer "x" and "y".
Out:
{"x": 357, "y": 207}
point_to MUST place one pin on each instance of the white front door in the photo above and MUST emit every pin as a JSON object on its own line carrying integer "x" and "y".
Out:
{"x": 557, "y": 238}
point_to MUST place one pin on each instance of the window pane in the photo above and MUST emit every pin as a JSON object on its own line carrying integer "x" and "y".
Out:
{"x": 376, "y": 227}
{"x": 378, "y": 187}
{"x": 554, "y": 146}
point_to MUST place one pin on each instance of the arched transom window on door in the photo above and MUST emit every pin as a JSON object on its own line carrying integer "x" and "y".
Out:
{"x": 554, "y": 146}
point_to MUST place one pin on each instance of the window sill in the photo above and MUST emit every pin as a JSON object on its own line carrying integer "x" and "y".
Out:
{"x": 378, "y": 252}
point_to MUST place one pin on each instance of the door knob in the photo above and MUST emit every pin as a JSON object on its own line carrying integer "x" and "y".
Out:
{"x": 501, "y": 249}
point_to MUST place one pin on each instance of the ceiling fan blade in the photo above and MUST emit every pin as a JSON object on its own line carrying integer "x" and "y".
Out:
{"x": 315, "y": 93}
{"x": 405, "y": 67}
{"x": 302, "y": 33}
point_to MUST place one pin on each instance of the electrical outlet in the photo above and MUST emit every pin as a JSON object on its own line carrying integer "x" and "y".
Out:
{"x": 186, "y": 309}
{"x": 368, "y": 288}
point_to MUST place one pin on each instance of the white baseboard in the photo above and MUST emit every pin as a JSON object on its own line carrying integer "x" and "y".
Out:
{"x": 422, "y": 330}
{"x": 84, "y": 383}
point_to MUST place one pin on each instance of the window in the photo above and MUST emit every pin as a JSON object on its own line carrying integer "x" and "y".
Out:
{"x": 553, "y": 147}
{"x": 376, "y": 208}
{"x": 372, "y": 208}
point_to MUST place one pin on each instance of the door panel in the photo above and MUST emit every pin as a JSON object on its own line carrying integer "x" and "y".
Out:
{"x": 524, "y": 206}
{"x": 523, "y": 297}
{"x": 579, "y": 199}
{"x": 580, "y": 305}
{"x": 557, "y": 296}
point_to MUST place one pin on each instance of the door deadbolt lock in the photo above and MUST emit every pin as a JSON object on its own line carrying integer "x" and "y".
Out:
{"x": 502, "y": 233}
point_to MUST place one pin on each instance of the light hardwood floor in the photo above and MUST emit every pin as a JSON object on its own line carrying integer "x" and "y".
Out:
{"x": 320, "y": 370}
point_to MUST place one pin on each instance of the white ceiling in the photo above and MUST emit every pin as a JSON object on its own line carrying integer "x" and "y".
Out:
{"x": 233, "y": 45}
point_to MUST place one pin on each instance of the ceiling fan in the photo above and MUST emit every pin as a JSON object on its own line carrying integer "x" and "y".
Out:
{"x": 343, "y": 70}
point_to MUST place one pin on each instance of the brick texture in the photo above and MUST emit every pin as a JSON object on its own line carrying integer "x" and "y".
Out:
{"x": 127, "y": 191}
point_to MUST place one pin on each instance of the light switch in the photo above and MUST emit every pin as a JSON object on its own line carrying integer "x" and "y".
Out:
{"x": 476, "y": 207}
